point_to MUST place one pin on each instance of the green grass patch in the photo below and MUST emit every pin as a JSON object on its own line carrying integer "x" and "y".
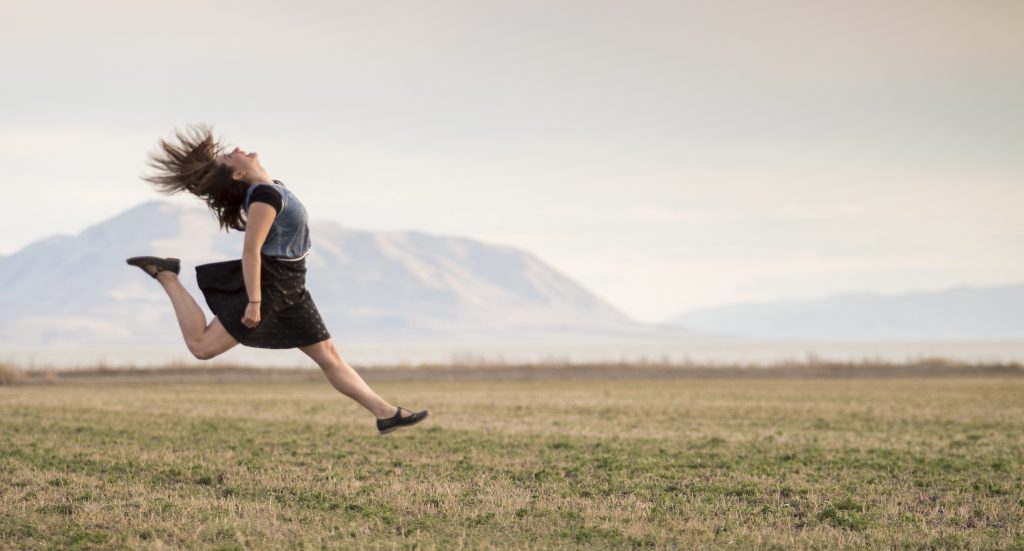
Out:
{"x": 930, "y": 463}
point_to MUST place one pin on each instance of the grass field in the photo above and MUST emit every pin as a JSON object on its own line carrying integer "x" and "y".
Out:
{"x": 907, "y": 463}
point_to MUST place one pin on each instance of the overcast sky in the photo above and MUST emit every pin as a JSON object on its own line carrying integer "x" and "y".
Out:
{"x": 665, "y": 155}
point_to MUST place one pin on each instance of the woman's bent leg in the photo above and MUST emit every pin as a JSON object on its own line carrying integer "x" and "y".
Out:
{"x": 346, "y": 380}
{"x": 204, "y": 342}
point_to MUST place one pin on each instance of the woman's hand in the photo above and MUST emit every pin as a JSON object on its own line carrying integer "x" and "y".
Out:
{"x": 252, "y": 315}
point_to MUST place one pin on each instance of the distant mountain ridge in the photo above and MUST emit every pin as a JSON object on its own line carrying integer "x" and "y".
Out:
{"x": 964, "y": 312}
{"x": 78, "y": 289}
{"x": 393, "y": 288}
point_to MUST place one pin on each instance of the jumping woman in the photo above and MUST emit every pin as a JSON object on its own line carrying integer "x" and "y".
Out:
{"x": 259, "y": 300}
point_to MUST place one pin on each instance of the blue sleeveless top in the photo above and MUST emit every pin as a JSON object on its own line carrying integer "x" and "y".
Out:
{"x": 288, "y": 238}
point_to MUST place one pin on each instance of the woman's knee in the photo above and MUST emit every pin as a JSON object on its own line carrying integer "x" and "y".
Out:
{"x": 201, "y": 350}
{"x": 212, "y": 343}
{"x": 201, "y": 354}
{"x": 333, "y": 350}
{"x": 326, "y": 348}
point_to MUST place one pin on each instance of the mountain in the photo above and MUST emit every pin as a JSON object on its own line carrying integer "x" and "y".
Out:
{"x": 78, "y": 290}
{"x": 961, "y": 313}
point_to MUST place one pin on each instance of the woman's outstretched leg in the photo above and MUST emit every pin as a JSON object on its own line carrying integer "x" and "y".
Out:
{"x": 347, "y": 381}
{"x": 203, "y": 341}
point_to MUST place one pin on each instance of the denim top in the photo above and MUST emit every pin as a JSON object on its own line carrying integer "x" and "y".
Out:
{"x": 288, "y": 238}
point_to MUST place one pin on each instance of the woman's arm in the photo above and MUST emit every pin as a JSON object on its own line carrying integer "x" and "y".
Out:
{"x": 257, "y": 226}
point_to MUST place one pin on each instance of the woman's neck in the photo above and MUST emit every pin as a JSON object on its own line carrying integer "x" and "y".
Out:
{"x": 258, "y": 177}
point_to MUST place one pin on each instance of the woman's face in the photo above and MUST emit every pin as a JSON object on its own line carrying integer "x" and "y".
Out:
{"x": 240, "y": 162}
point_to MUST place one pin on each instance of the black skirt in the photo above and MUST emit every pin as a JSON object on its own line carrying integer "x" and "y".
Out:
{"x": 288, "y": 316}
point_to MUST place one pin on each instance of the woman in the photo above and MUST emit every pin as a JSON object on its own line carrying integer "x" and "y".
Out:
{"x": 261, "y": 299}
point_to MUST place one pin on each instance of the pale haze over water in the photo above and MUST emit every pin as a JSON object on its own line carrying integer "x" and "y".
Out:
{"x": 667, "y": 156}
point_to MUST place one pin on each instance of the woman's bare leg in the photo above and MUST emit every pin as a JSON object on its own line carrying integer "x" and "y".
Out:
{"x": 347, "y": 381}
{"x": 203, "y": 341}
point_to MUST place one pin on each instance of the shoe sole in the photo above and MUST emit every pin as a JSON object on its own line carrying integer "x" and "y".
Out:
{"x": 396, "y": 427}
{"x": 136, "y": 260}
{"x": 139, "y": 261}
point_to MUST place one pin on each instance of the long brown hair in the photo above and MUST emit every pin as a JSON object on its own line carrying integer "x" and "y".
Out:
{"x": 191, "y": 165}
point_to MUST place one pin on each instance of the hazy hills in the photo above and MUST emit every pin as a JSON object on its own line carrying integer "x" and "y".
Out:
{"x": 963, "y": 313}
{"x": 70, "y": 290}
{"x": 389, "y": 289}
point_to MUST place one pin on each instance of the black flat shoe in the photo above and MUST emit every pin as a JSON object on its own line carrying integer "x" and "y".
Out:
{"x": 397, "y": 421}
{"x": 161, "y": 264}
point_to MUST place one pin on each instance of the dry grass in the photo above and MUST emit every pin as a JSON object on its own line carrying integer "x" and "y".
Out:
{"x": 465, "y": 369}
{"x": 915, "y": 463}
{"x": 10, "y": 374}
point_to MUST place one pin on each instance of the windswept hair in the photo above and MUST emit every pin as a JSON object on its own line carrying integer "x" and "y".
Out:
{"x": 191, "y": 165}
